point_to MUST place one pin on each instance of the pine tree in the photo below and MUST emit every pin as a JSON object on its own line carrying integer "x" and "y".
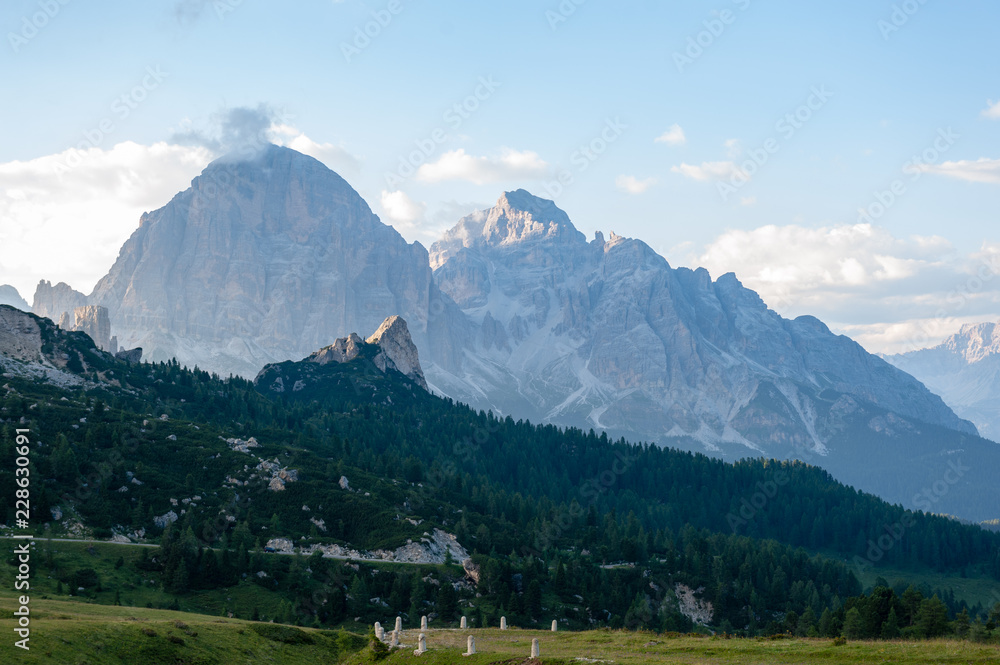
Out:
{"x": 962, "y": 623}
{"x": 853, "y": 624}
{"x": 890, "y": 629}
{"x": 932, "y": 619}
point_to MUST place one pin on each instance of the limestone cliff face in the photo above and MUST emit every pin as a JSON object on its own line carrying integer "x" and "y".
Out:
{"x": 20, "y": 336}
{"x": 266, "y": 259}
{"x": 94, "y": 320}
{"x": 965, "y": 371}
{"x": 53, "y": 302}
{"x": 398, "y": 350}
{"x": 606, "y": 334}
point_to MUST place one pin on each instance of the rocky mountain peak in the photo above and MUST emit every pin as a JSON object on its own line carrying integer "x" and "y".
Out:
{"x": 393, "y": 337}
{"x": 259, "y": 261}
{"x": 520, "y": 216}
{"x": 976, "y": 342}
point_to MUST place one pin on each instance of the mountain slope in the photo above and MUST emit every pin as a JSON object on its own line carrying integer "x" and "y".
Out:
{"x": 267, "y": 259}
{"x": 606, "y": 334}
{"x": 965, "y": 371}
{"x": 10, "y": 296}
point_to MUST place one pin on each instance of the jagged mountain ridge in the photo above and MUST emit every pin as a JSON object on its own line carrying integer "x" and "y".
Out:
{"x": 965, "y": 371}
{"x": 607, "y": 334}
{"x": 268, "y": 259}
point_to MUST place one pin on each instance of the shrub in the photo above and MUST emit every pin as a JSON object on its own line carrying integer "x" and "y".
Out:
{"x": 279, "y": 633}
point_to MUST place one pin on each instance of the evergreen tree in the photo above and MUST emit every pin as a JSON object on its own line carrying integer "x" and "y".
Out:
{"x": 853, "y": 624}
{"x": 932, "y": 618}
{"x": 890, "y": 629}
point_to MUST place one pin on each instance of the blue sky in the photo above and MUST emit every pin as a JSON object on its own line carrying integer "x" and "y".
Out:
{"x": 559, "y": 75}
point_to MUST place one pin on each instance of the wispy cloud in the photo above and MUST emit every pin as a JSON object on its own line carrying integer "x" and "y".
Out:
{"x": 632, "y": 185}
{"x": 708, "y": 170}
{"x": 892, "y": 294}
{"x": 980, "y": 170}
{"x": 51, "y": 212}
{"x": 992, "y": 110}
{"x": 401, "y": 209}
{"x": 509, "y": 165}
{"x": 673, "y": 136}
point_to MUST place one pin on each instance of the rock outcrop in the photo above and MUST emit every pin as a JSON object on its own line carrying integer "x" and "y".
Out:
{"x": 53, "y": 302}
{"x": 93, "y": 320}
{"x": 263, "y": 260}
{"x": 10, "y": 296}
{"x": 965, "y": 371}
{"x": 396, "y": 351}
{"x": 20, "y": 336}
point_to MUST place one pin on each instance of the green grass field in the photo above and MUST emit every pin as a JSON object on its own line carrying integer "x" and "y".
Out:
{"x": 74, "y": 632}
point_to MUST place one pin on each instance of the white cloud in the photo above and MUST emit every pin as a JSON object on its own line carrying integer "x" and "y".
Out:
{"x": 632, "y": 185}
{"x": 733, "y": 148}
{"x": 401, "y": 209}
{"x": 980, "y": 170}
{"x": 708, "y": 170}
{"x": 748, "y": 201}
{"x": 862, "y": 281}
{"x": 335, "y": 157}
{"x": 673, "y": 136}
{"x": 65, "y": 216}
{"x": 458, "y": 165}
{"x": 992, "y": 110}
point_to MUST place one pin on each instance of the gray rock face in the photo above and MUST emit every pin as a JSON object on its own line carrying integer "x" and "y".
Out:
{"x": 10, "y": 296}
{"x": 267, "y": 259}
{"x": 607, "y": 335}
{"x": 396, "y": 350}
{"x": 132, "y": 356}
{"x": 93, "y": 320}
{"x": 53, "y": 302}
{"x": 20, "y": 336}
{"x": 965, "y": 371}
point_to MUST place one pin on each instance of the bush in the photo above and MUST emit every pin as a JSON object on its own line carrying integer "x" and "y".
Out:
{"x": 279, "y": 633}
{"x": 839, "y": 641}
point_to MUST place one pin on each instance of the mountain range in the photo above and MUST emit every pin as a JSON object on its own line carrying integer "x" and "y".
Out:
{"x": 514, "y": 311}
{"x": 965, "y": 371}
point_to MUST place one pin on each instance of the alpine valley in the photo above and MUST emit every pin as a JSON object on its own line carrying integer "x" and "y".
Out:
{"x": 268, "y": 259}
{"x": 274, "y": 408}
